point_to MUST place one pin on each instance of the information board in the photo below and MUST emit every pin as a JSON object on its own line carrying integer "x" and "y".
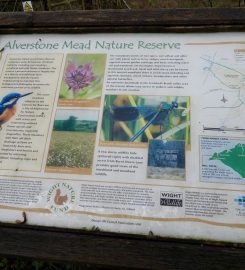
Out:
{"x": 129, "y": 133}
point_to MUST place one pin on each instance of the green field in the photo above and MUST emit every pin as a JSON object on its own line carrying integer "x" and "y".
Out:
{"x": 71, "y": 149}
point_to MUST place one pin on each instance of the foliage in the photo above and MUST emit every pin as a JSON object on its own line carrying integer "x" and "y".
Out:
{"x": 22, "y": 264}
{"x": 40, "y": 5}
{"x": 78, "y": 125}
{"x": 70, "y": 123}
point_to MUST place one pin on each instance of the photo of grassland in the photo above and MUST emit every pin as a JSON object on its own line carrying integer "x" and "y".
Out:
{"x": 73, "y": 139}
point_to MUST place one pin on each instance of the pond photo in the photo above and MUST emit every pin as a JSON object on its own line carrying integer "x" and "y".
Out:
{"x": 166, "y": 160}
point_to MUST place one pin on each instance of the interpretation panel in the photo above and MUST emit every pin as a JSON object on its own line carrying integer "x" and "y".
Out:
{"x": 130, "y": 133}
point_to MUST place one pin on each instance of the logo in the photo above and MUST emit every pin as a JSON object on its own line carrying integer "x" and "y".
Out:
{"x": 168, "y": 198}
{"x": 240, "y": 200}
{"x": 61, "y": 197}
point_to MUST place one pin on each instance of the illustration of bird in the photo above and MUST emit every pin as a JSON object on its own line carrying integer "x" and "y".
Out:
{"x": 8, "y": 106}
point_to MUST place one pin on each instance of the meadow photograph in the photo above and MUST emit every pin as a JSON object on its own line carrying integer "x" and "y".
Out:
{"x": 73, "y": 140}
{"x": 82, "y": 81}
{"x": 143, "y": 118}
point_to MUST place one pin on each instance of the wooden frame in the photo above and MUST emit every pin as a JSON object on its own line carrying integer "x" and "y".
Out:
{"x": 165, "y": 20}
{"x": 114, "y": 250}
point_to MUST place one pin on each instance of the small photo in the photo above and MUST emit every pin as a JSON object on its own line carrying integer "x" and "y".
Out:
{"x": 82, "y": 81}
{"x": 143, "y": 118}
{"x": 166, "y": 160}
{"x": 72, "y": 143}
{"x": 9, "y": 105}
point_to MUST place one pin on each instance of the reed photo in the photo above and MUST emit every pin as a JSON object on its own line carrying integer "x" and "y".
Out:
{"x": 143, "y": 118}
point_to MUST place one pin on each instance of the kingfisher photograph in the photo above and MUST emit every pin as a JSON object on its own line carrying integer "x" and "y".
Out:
{"x": 128, "y": 118}
{"x": 9, "y": 106}
{"x": 82, "y": 81}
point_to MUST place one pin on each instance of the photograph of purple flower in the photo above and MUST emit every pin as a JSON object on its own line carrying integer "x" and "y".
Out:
{"x": 78, "y": 77}
{"x": 82, "y": 80}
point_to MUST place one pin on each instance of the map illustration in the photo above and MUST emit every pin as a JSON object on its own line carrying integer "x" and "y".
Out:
{"x": 233, "y": 158}
{"x": 223, "y": 103}
{"x": 222, "y": 159}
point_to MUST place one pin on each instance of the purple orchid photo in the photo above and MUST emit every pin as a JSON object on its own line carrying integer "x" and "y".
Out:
{"x": 79, "y": 77}
{"x": 83, "y": 80}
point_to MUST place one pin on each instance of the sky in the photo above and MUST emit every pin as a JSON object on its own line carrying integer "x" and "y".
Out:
{"x": 90, "y": 115}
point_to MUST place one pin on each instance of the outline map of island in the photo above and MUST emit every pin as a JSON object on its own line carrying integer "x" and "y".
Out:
{"x": 222, "y": 159}
{"x": 234, "y": 158}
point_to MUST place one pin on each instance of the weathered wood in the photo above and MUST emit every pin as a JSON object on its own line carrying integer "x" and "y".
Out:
{"x": 138, "y": 29}
{"x": 116, "y": 250}
{"x": 125, "y": 20}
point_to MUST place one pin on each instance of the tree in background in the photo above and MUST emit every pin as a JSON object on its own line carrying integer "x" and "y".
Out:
{"x": 70, "y": 123}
